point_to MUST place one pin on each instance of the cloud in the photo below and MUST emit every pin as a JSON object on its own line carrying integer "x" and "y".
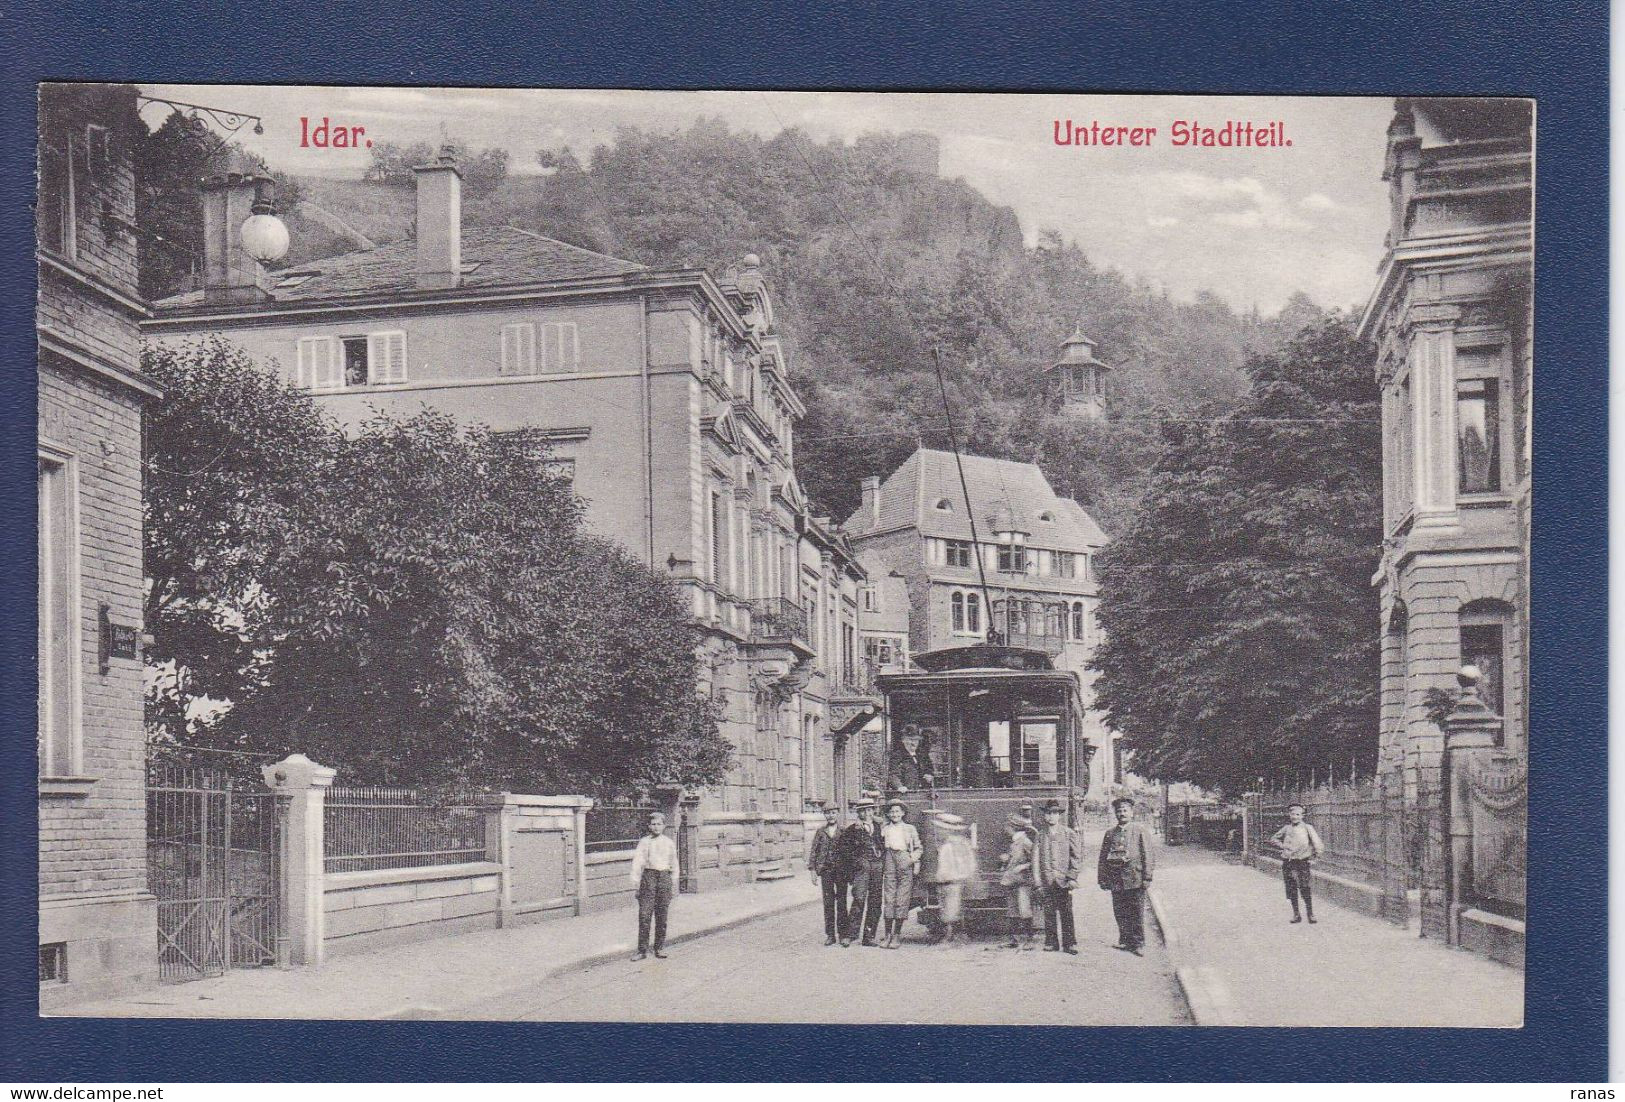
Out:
{"x": 1318, "y": 200}
{"x": 1237, "y": 202}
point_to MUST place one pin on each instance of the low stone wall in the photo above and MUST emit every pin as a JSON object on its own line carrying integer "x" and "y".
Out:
{"x": 367, "y": 910}
{"x": 1496, "y": 936}
{"x": 1353, "y": 894}
{"x": 608, "y": 883}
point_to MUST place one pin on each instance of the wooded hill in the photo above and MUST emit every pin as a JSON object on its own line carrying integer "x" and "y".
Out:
{"x": 875, "y": 266}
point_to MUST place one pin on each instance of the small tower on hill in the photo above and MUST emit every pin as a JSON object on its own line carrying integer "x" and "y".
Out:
{"x": 1076, "y": 383}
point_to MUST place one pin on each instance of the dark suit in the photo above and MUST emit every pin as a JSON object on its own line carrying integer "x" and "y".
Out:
{"x": 821, "y": 861}
{"x": 1127, "y": 860}
{"x": 858, "y": 860}
{"x": 1057, "y": 861}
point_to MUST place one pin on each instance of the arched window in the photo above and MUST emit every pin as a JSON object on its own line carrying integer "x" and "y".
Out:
{"x": 956, "y": 603}
{"x": 973, "y": 614}
{"x": 1077, "y": 621}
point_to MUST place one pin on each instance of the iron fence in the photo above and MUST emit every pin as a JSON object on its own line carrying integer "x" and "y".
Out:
{"x": 370, "y": 828}
{"x": 613, "y": 828}
{"x": 1351, "y": 819}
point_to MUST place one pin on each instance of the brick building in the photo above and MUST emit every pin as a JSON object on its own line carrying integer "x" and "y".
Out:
{"x": 1451, "y": 318}
{"x": 666, "y": 396}
{"x": 1037, "y": 550}
{"x": 97, "y": 920}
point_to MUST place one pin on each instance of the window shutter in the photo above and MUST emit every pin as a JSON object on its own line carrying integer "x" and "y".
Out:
{"x": 386, "y": 357}
{"x": 318, "y": 363}
{"x": 519, "y": 349}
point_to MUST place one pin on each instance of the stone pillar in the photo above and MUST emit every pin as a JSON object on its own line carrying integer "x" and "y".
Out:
{"x": 303, "y": 785}
{"x": 1472, "y": 731}
{"x": 580, "y": 825}
{"x": 1433, "y": 398}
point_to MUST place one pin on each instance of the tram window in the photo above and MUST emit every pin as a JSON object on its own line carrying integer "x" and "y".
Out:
{"x": 998, "y": 744}
{"x": 1038, "y": 751}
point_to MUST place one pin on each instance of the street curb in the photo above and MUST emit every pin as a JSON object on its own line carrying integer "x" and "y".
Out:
{"x": 1171, "y": 938}
{"x": 621, "y": 951}
{"x": 1206, "y": 996}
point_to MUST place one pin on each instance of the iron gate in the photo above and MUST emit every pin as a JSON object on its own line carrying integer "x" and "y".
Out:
{"x": 213, "y": 862}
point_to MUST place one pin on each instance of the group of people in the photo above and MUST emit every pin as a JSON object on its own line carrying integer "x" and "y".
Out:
{"x": 866, "y": 870}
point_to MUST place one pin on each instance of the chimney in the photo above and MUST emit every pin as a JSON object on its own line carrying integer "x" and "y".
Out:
{"x": 871, "y": 498}
{"x": 440, "y": 221}
{"x": 230, "y": 274}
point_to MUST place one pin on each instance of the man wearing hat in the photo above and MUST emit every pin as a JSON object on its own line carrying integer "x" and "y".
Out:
{"x": 900, "y": 841}
{"x": 1057, "y": 860}
{"x": 1126, "y": 864}
{"x": 821, "y": 865}
{"x": 1017, "y": 879}
{"x": 859, "y": 856}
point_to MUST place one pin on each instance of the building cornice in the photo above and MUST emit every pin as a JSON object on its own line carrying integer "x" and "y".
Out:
{"x": 58, "y": 344}
{"x": 1493, "y": 246}
{"x": 66, "y": 268}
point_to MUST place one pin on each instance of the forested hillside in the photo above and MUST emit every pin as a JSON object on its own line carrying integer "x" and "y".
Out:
{"x": 875, "y": 266}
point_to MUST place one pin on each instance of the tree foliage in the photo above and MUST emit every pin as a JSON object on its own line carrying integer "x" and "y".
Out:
{"x": 1237, "y": 610}
{"x": 415, "y": 601}
{"x": 392, "y": 164}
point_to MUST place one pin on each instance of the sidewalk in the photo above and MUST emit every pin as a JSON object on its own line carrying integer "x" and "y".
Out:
{"x": 428, "y": 979}
{"x": 1241, "y": 962}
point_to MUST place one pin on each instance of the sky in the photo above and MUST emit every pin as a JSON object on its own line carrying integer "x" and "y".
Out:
{"x": 1251, "y": 224}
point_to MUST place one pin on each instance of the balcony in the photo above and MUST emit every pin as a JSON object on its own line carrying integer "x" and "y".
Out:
{"x": 775, "y": 620}
{"x": 1045, "y": 643}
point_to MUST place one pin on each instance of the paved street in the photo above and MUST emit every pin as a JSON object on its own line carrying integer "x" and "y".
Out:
{"x": 778, "y": 970}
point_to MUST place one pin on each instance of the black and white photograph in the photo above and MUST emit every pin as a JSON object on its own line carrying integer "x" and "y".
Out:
{"x": 839, "y": 558}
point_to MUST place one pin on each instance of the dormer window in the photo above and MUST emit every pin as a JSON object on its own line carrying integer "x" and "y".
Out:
{"x": 943, "y": 505}
{"x": 1047, "y": 517}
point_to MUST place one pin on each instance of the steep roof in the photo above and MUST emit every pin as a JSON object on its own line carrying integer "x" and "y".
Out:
{"x": 1000, "y": 491}
{"x": 504, "y": 255}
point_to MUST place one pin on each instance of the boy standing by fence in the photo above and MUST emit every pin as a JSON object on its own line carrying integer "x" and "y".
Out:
{"x": 1298, "y": 843}
{"x": 654, "y": 871}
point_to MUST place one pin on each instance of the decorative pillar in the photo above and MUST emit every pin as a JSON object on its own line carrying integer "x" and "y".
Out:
{"x": 1472, "y": 731}
{"x": 303, "y": 786}
{"x": 580, "y": 824}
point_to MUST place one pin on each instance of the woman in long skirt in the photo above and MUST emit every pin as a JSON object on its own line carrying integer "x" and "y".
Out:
{"x": 903, "y": 852}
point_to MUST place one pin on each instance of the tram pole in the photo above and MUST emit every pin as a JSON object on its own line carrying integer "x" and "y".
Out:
{"x": 994, "y": 636}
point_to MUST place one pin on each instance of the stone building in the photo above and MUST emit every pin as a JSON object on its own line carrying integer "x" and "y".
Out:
{"x": 1036, "y": 548}
{"x": 666, "y": 396}
{"x": 1451, "y": 319}
{"x": 97, "y": 920}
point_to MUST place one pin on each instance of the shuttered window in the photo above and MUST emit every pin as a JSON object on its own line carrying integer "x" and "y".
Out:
{"x": 519, "y": 349}
{"x": 561, "y": 346}
{"x": 386, "y": 357}
{"x": 319, "y": 366}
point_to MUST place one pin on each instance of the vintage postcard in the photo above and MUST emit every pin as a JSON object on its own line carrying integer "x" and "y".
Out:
{"x": 790, "y": 557}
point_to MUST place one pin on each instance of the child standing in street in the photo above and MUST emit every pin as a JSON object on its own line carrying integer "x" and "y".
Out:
{"x": 1299, "y": 844}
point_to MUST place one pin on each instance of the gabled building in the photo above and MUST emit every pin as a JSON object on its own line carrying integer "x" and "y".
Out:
{"x": 667, "y": 397}
{"x": 97, "y": 919}
{"x": 1451, "y": 318}
{"x": 1036, "y": 550}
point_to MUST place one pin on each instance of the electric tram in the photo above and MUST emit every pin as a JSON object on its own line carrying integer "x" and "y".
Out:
{"x": 978, "y": 732}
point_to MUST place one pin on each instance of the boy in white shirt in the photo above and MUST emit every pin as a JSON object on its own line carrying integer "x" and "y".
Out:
{"x": 1298, "y": 843}
{"x": 654, "y": 871}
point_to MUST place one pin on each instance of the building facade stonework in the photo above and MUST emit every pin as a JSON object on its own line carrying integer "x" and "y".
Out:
{"x": 1451, "y": 319}
{"x": 666, "y": 398}
{"x": 97, "y": 919}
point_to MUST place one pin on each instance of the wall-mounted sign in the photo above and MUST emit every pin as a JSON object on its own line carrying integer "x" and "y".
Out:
{"x": 117, "y": 640}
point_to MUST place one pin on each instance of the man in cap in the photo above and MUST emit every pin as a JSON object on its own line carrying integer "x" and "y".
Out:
{"x": 654, "y": 871}
{"x": 822, "y": 866}
{"x": 1057, "y": 860}
{"x": 858, "y": 859}
{"x": 1127, "y": 860}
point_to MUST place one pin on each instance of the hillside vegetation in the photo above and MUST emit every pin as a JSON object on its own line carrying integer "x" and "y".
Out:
{"x": 875, "y": 268}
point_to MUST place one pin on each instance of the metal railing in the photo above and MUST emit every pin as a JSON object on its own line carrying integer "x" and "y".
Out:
{"x": 613, "y": 828}
{"x": 374, "y": 828}
{"x": 774, "y": 618}
{"x": 1352, "y": 820}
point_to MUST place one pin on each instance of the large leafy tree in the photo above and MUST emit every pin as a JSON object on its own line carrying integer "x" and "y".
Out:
{"x": 415, "y": 601}
{"x": 1237, "y": 609}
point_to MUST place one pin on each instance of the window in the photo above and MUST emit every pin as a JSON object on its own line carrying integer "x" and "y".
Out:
{"x": 943, "y": 505}
{"x": 355, "y": 361}
{"x": 1076, "y": 622}
{"x": 53, "y": 963}
{"x": 561, "y": 346}
{"x": 319, "y": 364}
{"x": 1066, "y": 564}
{"x": 519, "y": 349}
{"x": 328, "y": 364}
{"x": 1013, "y": 558}
{"x": 879, "y": 653}
{"x": 965, "y": 612}
{"x": 57, "y": 202}
{"x": 871, "y": 601}
{"x": 959, "y": 554}
{"x": 1484, "y": 631}
{"x": 973, "y": 613}
{"x": 59, "y": 649}
{"x": 719, "y": 525}
{"x": 1478, "y": 436}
